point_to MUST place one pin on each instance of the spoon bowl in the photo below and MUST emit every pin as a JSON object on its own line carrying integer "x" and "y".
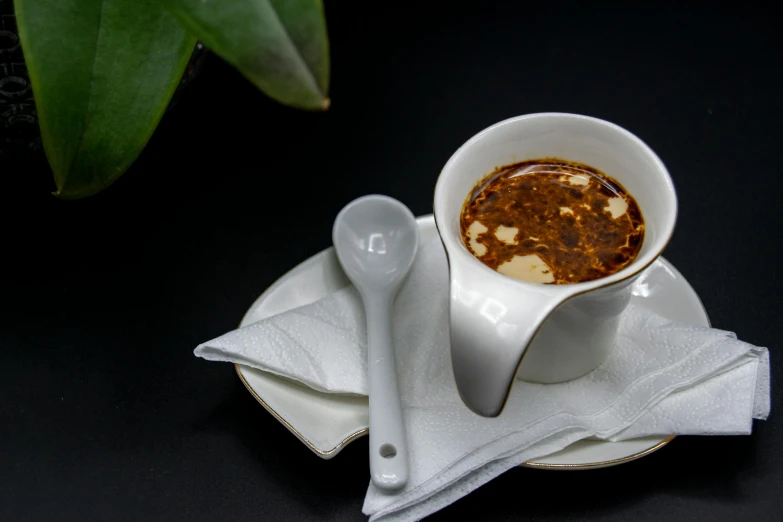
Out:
{"x": 376, "y": 239}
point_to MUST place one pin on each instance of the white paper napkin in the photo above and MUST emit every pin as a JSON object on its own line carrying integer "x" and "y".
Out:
{"x": 662, "y": 378}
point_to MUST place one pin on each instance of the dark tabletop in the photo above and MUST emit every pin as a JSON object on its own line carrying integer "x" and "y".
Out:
{"x": 105, "y": 414}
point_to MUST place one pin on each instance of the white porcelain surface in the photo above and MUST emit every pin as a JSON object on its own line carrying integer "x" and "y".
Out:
{"x": 567, "y": 328}
{"x": 326, "y": 423}
{"x": 376, "y": 239}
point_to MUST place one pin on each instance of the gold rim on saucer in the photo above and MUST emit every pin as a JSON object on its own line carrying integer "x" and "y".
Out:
{"x": 603, "y": 464}
{"x": 342, "y": 443}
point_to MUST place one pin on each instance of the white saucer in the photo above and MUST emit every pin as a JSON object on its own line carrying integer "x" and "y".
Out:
{"x": 326, "y": 423}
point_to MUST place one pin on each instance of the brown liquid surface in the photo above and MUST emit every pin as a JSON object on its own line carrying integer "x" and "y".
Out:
{"x": 567, "y": 214}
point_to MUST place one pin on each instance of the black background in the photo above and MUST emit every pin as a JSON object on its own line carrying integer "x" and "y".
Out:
{"x": 105, "y": 414}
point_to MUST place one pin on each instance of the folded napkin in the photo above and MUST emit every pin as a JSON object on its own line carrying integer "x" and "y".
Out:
{"x": 662, "y": 378}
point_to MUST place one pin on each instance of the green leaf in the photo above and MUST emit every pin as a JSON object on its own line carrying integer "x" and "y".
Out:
{"x": 279, "y": 45}
{"x": 102, "y": 72}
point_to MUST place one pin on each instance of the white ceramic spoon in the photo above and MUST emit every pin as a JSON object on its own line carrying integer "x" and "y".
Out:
{"x": 376, "y": 238}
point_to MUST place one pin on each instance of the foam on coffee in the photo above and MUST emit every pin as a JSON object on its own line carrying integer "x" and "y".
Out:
{"x": 552, "y": 221}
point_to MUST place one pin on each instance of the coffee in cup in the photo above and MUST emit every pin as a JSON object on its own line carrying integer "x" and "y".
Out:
{"x": 553, "y": 221}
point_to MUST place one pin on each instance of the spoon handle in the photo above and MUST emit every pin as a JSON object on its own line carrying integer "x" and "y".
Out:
{"x": 388, "y": 447}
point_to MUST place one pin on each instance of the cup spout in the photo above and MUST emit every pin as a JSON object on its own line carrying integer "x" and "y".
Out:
{"x": 493, "y": 320}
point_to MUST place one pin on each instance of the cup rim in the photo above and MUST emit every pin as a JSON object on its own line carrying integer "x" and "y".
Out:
{"x": 456, "y": 250}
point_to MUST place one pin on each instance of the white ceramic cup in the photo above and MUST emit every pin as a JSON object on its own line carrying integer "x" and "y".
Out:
{"x": 502, "y": 327}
